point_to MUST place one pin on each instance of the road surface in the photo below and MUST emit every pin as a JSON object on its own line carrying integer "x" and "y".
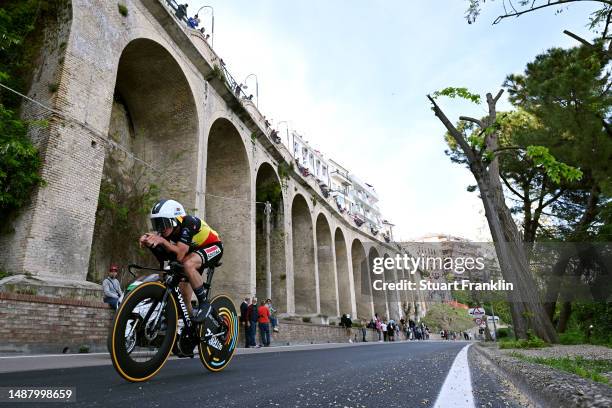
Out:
{"x": 403, "y": 374}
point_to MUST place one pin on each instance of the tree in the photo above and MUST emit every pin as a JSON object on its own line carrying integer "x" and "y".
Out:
{"x": 519, "y": 7}
{"x": 481, "y": 149}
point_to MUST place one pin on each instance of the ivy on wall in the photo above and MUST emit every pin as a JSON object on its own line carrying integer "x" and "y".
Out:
{"x": 22, "y": 27}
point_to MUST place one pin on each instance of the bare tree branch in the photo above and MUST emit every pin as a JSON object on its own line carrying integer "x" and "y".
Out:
{"x": 577, "y": 38}
{"x": 516, "y": 193}
{"x": 469, "y": 119}
{"x": 453, "y": 132}
{"x": 517, "y": 13}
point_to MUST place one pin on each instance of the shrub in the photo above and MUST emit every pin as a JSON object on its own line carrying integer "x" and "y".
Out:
{"x": 533, "y": 342}
{"x": 572, "y": 337}
{"x": 306, "y": 319}
{"x": 84, "y": 349}
{"x": 504, "y": 333}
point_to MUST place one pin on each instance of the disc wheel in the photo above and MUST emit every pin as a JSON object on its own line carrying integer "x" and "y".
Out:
{"x": 152, "y": 338}
{"x": 216, "y": 354}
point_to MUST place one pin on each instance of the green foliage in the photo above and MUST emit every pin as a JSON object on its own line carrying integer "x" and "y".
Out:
{"x": 572, "y": 337}
{"x": 441, "y": 316}
{"x": 530, "y": 343}
{"x": 284, "y": 170}
{"x": 84, "y": 349}
{"x": 20, "y": 42}
{"x": 462, "y": 93}
{"x": 53, "y": 87}
{"x": 504, "y": 333}
{"x": 306, "y": 319}
{"x": 123, "y": 10}
{"x": 555, "y": 170}
{"x": 3, "y": 274}
{"x": 585, "y": 368}
{"x": 584, "y": 315}
{"x": 19, "y": 162}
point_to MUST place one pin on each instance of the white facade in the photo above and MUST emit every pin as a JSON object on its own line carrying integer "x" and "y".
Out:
{"x": 353, "y": 197}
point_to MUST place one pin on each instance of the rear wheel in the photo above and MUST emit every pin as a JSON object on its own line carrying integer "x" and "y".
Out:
{"x": 143, "y": 333}
{"x": 216, "y": 352}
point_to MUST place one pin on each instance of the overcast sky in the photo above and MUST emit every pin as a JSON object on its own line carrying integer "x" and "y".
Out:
{"x": 352, "y": 77}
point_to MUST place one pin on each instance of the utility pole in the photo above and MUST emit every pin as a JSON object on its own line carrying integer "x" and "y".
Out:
{"x": 267, "y": 212}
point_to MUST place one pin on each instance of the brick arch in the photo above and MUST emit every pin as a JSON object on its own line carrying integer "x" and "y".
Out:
{"x": 342, "y": 272}
{"x": 325, "y": 262}
{"x": 268, "y": 188}
{"x": 305, "y": 285}
{"x": 393, "y": 298}
{"x": 228, "y": 202}
{"x": 361, "y": 279}
{"x": 150, "y": 129}
{"x": 379, "y": 297}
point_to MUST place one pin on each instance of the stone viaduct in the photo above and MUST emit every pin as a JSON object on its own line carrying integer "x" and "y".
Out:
{"x": 145, "y": 88}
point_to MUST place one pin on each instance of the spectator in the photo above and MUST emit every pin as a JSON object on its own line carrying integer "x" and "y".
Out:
{"x": 193, "y": 22}
{"x": 383, "y": 328}
{"x": 112, "y": 288}
{"x": 391, "y": 330}
{"x": 264, "y": 323}
{"x": 346, "y": 322}
{"x": 378, "y": 325}
{"x": 181, "y": 11}
{"x": 273, "y": 318}
{"x": 244, "y": 306}
{"x": 251, "y": 322}
{"x": 363, "y": 331}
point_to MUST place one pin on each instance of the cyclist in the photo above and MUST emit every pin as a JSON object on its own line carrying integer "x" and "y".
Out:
{"x": 188, "y": 240}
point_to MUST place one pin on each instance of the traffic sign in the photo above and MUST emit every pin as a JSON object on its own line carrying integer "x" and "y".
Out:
{"x": 478, "y": 321}
{"x": 476, "y": 312}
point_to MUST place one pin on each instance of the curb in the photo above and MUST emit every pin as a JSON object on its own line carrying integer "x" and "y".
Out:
{"x": 548, "y": 387}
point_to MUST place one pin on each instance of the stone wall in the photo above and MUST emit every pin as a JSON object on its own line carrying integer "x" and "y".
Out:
{"x": 39, "y": 324}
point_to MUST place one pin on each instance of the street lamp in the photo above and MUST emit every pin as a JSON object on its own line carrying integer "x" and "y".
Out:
{"x": 244, "y": 86}
{"x": 212, "y": 30}
{"x": 287, "y": 127}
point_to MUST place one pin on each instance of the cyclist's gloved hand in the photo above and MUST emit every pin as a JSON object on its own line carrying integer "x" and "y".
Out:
{"x": 176, "y": 266}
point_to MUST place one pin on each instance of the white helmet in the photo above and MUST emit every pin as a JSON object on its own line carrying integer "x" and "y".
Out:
{"x": 163, "y": 214}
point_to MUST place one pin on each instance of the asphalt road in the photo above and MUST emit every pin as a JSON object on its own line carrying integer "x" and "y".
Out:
{"x": 405, "y": 374}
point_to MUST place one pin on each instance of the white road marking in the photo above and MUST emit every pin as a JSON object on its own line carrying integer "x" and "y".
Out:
{"x": 456, "y": 392}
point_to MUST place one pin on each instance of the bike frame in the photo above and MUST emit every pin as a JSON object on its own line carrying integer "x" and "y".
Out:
{"x": 171, "y": 282}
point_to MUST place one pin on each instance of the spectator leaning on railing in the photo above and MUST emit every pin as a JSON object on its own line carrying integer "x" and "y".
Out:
{"x": 112, "y": 288}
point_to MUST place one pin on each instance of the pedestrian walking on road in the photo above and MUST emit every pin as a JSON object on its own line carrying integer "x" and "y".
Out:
{"x": 112, "y": 288}
{"x": 263, "y": 321}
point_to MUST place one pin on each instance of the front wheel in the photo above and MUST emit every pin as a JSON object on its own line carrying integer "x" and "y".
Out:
{"x": 214, "y": 353}
{"x": 144, "y": 330}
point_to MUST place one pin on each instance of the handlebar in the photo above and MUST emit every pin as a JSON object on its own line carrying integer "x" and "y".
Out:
{"x": 130, "y": 266}
{"x": 174, "y": 267}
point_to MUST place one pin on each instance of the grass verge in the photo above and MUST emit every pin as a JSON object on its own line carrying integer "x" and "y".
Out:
{"x": 585, "y": 368}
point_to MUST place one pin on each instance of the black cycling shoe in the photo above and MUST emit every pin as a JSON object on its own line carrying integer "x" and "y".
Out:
{"x": 201, "y": 312}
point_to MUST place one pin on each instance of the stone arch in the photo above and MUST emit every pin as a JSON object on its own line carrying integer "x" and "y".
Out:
{"x": 154, "y": 119}
{"x": 361, "y": 279}
{"x": 342, "y": 271}
{"x": 228, "y": 206}
{"x": 392, "y": 295}
{"x": 379, "y": 297}
{"x": 325, "y": 261}
{"x": 305, "y": 283}
{"x": 268, "y": 188}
